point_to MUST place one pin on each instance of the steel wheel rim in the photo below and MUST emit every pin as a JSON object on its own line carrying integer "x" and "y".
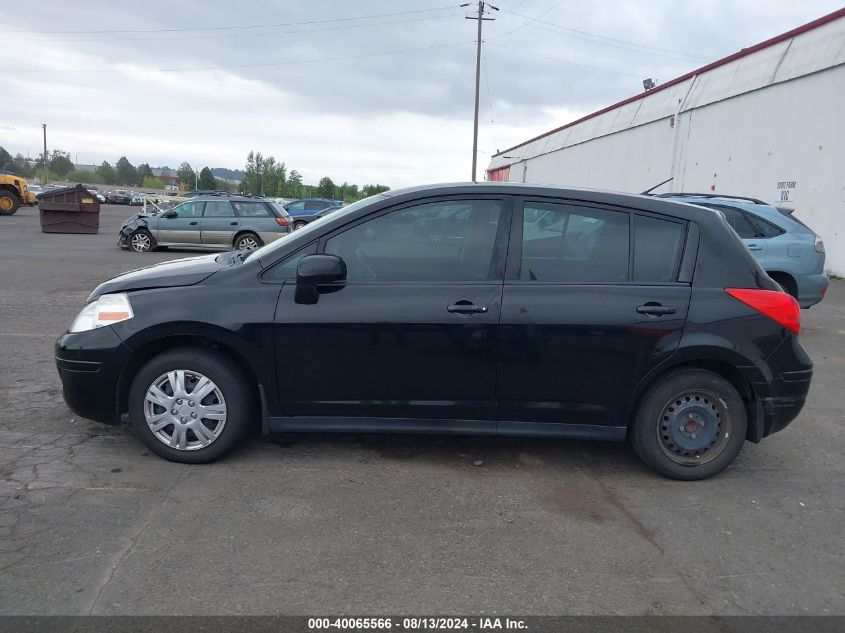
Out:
{"x": 185, "y": 410}
{"x": 247, "y": 243}
{"x": 140, "y": 242}
{"x": 5, "y": 203}
{"x": 694, "y": 427}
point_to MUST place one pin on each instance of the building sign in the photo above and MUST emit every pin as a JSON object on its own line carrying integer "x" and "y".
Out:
{"x": 785, "y": 191}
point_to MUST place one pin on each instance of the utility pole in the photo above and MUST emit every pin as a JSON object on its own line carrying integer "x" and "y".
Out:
{"x": 480, "y": 17}
{"x": 44, "y": 128}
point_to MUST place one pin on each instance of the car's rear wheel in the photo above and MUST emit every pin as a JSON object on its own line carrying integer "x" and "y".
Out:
{"x": 299, "y": 224}
{"x": 9, "y": 203}
{"x": 691, "y": 424}
{"x": 142, "y": 241}
{"x": 190, "y": 405}
{"x": 247, "y": 242}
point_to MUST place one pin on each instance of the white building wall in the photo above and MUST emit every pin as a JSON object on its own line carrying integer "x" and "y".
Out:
{"x": 777, "y": 114}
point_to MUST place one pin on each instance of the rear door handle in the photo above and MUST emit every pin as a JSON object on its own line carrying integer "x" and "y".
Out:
{"x": 656, "y": 309}
{"x": 466, "y": 307}
{"x": 755, "y": 247}
{"x": 233, "y": 223}
{"x": 193, "y": 223}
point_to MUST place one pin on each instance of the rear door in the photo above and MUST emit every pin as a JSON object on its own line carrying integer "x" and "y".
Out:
{"x": 219, "y": 223}
{"x": 591, "y": 303}
{"x": 184, "y": 228}
{"x": 747, "y": 229}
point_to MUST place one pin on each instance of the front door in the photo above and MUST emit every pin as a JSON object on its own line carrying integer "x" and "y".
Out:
{"x": 583, "y": 317}
{"x": 413, "y": 331}
{"x": 182, "y": 229}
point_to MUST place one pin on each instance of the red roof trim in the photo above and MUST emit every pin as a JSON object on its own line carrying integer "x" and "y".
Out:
{"x": 809, "y": 26}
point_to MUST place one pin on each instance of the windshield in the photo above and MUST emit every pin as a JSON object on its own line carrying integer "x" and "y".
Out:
{"x": 270, "y": 248}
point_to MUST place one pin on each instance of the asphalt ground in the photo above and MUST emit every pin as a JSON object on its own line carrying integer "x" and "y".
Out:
{"x": 90, "y": 522}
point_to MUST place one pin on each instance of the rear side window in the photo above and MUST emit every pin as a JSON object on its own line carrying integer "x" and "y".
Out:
{"x": 657, "y": 249}
{"x": 316, "y": 205}
{"x": 566, "y": 243}
{"x": 218, "y": 209}
{"x": 252, "y": 210}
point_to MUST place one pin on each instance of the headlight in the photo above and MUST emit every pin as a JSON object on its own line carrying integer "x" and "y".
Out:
{"x": 106, "y": 310}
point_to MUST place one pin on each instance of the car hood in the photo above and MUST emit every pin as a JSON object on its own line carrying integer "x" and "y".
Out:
{"x": 180, "y": 272}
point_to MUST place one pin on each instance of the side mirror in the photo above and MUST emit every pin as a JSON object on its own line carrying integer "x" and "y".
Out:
{"x": 171, "y": 214}
{"x": 315, "y": 270}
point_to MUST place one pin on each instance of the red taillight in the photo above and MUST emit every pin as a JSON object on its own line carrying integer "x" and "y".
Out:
{"x": 281, "y": 221}
{"x": 778, "y": 306}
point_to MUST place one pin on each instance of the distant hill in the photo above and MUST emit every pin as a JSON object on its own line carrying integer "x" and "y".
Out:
{"x": 231, "y": 174}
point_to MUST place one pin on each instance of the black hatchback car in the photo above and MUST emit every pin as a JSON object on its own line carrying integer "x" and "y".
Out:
{"x": 538, "y": 312}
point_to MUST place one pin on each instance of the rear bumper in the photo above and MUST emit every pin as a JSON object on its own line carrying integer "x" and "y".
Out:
{"x": 811, "y": 289}
{"x": 89, "y": 365}
{"x": 788, "y": 395}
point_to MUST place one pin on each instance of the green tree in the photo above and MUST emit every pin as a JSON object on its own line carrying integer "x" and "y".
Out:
{"x": 187, "y": 177}
{"x": 144, "y": 171}
{"x": 60, "y": 163}
{"x": 293, "y": 185}
{"x": 78, "y": 175}
{"x": 151, "y": 182}
{"x": 6, "y": 160}
{"x": 107, "y": 173}
{"x": 207, "y": 180}
{"x": 126, "y": 172}
{"x": 326, "y": 188}
{"x": 21, "y": 166}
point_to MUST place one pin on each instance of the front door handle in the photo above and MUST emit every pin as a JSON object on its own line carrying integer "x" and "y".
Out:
{"x": 755, "y": 247}
{"x": 193, "y": 223}
{"x": 655, "y": 309}
{"x": 466, "y": 307}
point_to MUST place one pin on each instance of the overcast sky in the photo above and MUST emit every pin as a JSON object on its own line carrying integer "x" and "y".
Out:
{"x": 366, "y": 91}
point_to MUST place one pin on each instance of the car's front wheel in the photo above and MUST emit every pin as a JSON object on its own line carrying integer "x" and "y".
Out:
{"x": 691, "y": 424}
{"x": 142, "y": 241}
{"x": 190, "y": 405}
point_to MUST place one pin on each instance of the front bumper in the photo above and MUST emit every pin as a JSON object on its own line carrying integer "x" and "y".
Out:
{"x": 89, "y": 365}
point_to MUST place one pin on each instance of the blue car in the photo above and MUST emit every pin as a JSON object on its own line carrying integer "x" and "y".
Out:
{"x": 787, "y": 249}
{"x": 309, "y": 209}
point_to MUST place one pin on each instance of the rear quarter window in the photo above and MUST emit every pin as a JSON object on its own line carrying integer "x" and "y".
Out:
{"x": 252, "y": 210}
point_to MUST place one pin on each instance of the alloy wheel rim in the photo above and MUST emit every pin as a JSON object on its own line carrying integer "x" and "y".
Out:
{"x": 140, "y": 242}
{"x": 185, "y": 410}
{"x": 694, "y": 427}
{"x": 247, "y": 243}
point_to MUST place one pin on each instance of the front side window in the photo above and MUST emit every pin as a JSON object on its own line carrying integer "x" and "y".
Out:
{"x": 286, "y": 269}
{"x": 439, "y": 241}
{"x": 251, "y": 209}
{"x": 567, "y": 243}
{"x": 218, "y": 209}
{"x": 189, "y": 210}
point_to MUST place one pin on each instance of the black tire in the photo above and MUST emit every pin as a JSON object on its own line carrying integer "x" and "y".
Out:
{"x": 243, "y": 239}
{"x": 136, "y": 241}
{"x": 787, "y": 283}
{"x": 299, "y": 224}
{"x": 226, "y": 376}
{"x": 9, "y": 202}
{"x": 679, "y": 416}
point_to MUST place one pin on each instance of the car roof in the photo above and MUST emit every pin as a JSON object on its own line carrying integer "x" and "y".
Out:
{"x": 673, "y": 207}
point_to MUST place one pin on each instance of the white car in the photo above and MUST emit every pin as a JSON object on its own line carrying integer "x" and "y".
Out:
{"x": 98, "y": 196}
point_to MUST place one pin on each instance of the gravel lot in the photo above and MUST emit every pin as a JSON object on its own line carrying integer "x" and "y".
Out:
{"x": 318, "y": 524}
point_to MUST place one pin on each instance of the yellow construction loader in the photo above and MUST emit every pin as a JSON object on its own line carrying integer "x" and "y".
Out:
{"x": 13, "y": 192}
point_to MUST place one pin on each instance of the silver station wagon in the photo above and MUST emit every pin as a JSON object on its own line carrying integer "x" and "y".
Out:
{"x": 216, "y": 222}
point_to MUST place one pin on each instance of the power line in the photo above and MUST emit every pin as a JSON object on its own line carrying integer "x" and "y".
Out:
{"x": 234, "y": 35}
{"x": 563, "y": 61}
{"x": 231, "y": 28}
{"x": 519, "y": 28}
{"x": 603, "y": 39}
{"x": 241, "y": 66}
